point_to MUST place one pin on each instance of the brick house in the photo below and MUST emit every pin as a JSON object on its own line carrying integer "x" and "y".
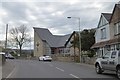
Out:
{"x": 107, "y": 34}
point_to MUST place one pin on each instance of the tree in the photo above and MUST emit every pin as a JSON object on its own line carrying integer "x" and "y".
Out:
{"x": 87, "y": 40}
{"x": 75, "y": 42}
{"x": 19, "y": 36}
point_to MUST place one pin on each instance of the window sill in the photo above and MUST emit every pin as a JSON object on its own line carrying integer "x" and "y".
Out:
{"x": 117, "y": 34}
{"x": 103, "y": 38}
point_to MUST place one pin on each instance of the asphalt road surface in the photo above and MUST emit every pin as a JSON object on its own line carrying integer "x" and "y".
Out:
{"x": 40, "y": 69}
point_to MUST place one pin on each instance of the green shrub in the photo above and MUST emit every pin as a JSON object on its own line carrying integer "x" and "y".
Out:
{"x": 91, "y": 53}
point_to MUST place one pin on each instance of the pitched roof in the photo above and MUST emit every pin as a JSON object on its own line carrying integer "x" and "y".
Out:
{"x": 52, "y": 40}
{"x": 107, "y": 16}
{"x": 118, "y": 5}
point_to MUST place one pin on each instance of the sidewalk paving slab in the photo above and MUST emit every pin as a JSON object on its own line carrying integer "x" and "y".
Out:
{"x": 7, "y": 68}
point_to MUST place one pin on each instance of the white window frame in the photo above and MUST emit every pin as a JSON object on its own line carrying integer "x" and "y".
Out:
{"x": 103, "y": 33}
{"x": 117, "y": 28}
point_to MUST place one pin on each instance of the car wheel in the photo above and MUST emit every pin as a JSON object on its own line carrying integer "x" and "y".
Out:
{"x": 98, "y": 69}
{"x": 39, "y": 59}
{"x": 118, "y": 72}
{"x": 43, "y": 59}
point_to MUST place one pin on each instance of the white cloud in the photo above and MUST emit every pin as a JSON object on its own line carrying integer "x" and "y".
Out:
{"x": 53, "y": 14}
{"x": 50, "y": 9}
{"x": 3, "y": 13}
{"x": 97, "y": 5}
{"x": 30, "y": 16}
{"x": 72, "y": 2}
{"x": 59, "y": 12}
{"x": 54, "y": 31}
{"x": 23, "y": 21}
{"x": 65, "y": 1}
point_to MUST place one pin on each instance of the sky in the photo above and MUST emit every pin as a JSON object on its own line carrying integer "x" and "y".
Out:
{"x": 52, "y": 14}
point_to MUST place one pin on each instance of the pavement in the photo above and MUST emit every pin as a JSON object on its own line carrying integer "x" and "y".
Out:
{"x": 7, "y": 68}
{"x": 0, "y": 72}
{"x": 0, "y": 68}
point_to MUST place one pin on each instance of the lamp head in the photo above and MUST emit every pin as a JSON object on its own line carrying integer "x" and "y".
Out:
{"x": 69, "y": 17}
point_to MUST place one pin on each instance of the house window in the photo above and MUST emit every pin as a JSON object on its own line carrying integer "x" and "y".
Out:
{"x": 52, "y": 51}
{"x": 118, "y": 46}
{"x": 117, "y": 28}
{"x": 103, "y": 33}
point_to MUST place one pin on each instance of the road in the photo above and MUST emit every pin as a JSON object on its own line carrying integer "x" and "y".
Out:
{"x": 40, "y": 69}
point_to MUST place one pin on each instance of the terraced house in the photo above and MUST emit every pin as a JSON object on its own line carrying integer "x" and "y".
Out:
{"x": 107, "y": 34}
{"x": 45, "y": 43}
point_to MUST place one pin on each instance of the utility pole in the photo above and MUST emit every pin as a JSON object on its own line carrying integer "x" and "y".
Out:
{"x": 6, "y": 37}
{"x": 80, "y": 51}
{"x": 74, "y": 48}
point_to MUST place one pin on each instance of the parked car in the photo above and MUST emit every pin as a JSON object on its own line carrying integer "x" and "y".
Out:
{"x": 2, "y": 53}
{"x": 110, "y": 61}
{"x": 9, "y": 56}
{"x": 45, "y": 58}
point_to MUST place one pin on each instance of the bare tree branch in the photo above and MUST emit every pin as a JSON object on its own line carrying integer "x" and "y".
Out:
{"x": 19, "y": 36}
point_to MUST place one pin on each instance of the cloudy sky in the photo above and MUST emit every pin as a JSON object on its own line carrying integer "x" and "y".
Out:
{"x": 52, "y": 14}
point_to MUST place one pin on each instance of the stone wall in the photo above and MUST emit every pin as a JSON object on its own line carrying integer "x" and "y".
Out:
{"x": 68, "y": 58}
{"x": 65, "y": 59}
{"x": 38, "y": 46}
{"x": 2, "y": 59}
{"x": 88, "y": 60}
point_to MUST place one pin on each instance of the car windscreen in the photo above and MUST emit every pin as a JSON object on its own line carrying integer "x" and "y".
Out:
{"x": 47, "y": 56}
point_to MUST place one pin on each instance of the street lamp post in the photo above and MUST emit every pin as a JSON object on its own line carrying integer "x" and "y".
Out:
{"x": 80, "y": 54}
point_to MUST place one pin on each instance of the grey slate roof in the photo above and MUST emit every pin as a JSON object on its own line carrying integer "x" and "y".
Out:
{"x": 107, "y": 16}
{"x": 52, "y": 40}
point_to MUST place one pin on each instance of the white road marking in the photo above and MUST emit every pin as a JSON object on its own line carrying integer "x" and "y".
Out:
{"x": 74, "y": 76}
{"x": 11, "y": 73}
{"x": 60, "y": 69}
